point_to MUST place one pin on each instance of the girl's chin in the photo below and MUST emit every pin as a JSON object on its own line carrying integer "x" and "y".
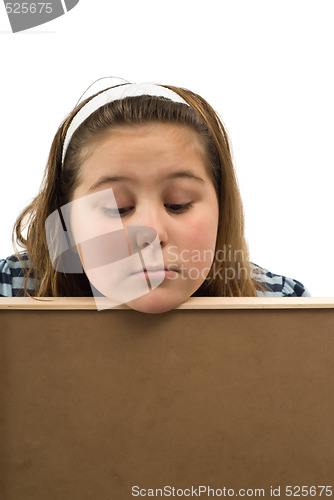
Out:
{"x": 156, "y": 303}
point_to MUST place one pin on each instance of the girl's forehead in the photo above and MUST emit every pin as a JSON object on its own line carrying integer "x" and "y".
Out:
{"x": 159, "y": 132}
{"x": 157, "y": 146}
{"x": 150, "y": 155}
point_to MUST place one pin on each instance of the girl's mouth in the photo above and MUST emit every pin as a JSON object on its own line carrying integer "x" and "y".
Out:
{"x": 156, "y": 273}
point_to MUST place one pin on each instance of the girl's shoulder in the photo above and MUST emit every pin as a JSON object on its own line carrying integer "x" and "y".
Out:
{"x": 277, "y": 285}
{"x": 12, "y": 276}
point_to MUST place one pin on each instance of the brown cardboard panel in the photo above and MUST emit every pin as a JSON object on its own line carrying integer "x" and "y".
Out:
{"x": 93, "y": 403}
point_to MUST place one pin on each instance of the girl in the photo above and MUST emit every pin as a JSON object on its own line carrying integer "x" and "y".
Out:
{"x": 149, "y": 161}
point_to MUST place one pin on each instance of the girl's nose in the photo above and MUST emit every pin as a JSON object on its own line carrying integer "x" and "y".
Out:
{"x": 150, "y": 224}
{"x": 142, "y": 236}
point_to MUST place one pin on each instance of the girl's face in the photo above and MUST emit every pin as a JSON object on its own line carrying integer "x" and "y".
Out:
{"x": 159, "y": 180}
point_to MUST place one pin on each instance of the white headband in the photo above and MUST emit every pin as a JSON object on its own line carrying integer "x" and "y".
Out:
{"x": 113, "y": 94}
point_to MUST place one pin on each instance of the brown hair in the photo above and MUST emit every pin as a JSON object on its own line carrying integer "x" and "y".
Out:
{"x": 59, "y": 184}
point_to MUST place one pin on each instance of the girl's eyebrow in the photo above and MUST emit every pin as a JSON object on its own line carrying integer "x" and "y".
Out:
{"x": 107, "y": 179}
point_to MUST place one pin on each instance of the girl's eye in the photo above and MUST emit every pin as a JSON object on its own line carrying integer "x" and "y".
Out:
{"x": 116, "y": 212}
{"x": 172, "y": 207}
{"x": 178, "y": 208}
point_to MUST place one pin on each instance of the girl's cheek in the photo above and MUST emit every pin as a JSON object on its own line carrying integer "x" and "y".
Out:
{"x": 200, "y": 235}
{"x": 203, "y": 228}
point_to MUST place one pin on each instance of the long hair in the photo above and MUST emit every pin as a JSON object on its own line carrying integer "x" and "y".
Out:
{"x": 228, "y": 277}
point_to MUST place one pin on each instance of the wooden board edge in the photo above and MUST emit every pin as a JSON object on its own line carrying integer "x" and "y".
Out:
{"x": 80, "y": 303}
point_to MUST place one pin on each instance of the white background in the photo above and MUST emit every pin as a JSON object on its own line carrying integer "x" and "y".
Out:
{"x": 265, "y": 66}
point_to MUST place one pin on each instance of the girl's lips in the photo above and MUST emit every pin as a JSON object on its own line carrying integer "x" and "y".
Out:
{"x": 156, "y": 273}
{"x": 155, "y": 269}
